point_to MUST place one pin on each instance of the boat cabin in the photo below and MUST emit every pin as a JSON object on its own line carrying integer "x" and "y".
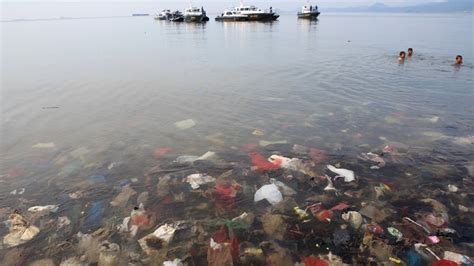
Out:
{"x": 309, "y": 9}
{"x": 247, "y": 8}
{"x": 194, "y": 11}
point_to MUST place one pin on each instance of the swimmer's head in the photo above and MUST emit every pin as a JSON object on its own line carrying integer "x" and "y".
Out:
{"x": 402, "y": 55}
{"x": 410, "y": 51}
{"x": 458, "y": 59}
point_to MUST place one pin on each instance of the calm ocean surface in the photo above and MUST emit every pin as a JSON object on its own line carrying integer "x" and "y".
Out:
{"x": 107, "y": 90}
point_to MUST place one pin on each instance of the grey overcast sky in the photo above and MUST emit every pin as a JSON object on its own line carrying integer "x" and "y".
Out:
{"x": 219, "y": 4}
{"x": 328, "y": 3}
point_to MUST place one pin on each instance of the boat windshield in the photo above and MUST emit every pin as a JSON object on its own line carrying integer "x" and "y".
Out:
{"x": 195, "y": 9}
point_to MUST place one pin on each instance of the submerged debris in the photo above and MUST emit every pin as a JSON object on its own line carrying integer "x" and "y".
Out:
{"x": 21, "y": 231}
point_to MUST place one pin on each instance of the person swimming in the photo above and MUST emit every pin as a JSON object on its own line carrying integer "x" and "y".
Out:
{"x": 402, "y": 56}
{"x": 410, "y": 52}
{"x": 458, "y": 59}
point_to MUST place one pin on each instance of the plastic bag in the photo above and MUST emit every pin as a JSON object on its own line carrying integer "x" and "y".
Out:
{"x": 270, "y": 193}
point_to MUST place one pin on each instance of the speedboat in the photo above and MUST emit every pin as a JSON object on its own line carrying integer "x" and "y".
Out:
{"x": 309, "y": 12}
{"x": 195, "y": 14}
{"x": 252, "y": 13}
{"x": 176, "y": 16}
{"x": 165, "y": 14}
{"x": 231, "y": 15}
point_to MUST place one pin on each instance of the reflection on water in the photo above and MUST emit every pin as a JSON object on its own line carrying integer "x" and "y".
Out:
{"x": 100, "y": 117}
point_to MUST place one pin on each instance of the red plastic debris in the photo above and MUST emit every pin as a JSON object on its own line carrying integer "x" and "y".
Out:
{"x": 320, "y": 212}
{"x": 313, "y": 261}
{"x": 228, "y": 252}
{"x": 339, "y": 207}
{"x": 225, "y": 193}
{"x": 160, "y": 152}
{"x": 375, "y": 228}
{"x": 140, "y": 218}
{"x": 315, "y": 208}
{"x": 324, "y": 215}
{"x": 389, "y": 149}
{"x": 444, "y": 263}
{"x": 261, "y": 163}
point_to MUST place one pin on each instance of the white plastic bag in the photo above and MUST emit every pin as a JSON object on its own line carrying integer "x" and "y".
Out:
{"x": 270, "y": 193}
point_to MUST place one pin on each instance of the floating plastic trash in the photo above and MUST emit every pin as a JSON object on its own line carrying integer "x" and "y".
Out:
{"x": 443, "y": 262}
{"x": 265, "y": 143}
{"x": 302, "y": 214}
{"x": 374, "y": 158}
{"x": 347, "y": 174}
{"x": 452, "y": 188}
{"x": 270, "y": 193}
{"x": 395, "y": 233}
{"x": 330, "y": 185}
{"x": 175, "y": 262}
{"x": 458, "y": 258}
{"x": 314, "y": 261}
{"x": 63, "y": 221}
{"x": 154, "y": 241}
{"x": 196, "y": 180}
{"x": 21, "y": 231}
{"x": 185, "y": 124}
{"x": 260, "y": 163}
{"x": 293, "y": 164}
{"x": 48, "y": 145}
{"x": 140, "y": 218}
{"x": 18, "y": 192}
{"x": 284, "y": 189}
{"x": 46, "y": 208}
{"x": 412, "y": 258}
{"x": 258, "y": 132}
{"x": 122, "y": 198}
{"x": 94, "y": 216}
{"x": 219, "y": 254}
{"x": 109, "y": 254}
{"x": 354, "y": 218}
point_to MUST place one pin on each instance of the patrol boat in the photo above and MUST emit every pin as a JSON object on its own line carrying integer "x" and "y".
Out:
{"x": 195, "y": 14}
{"x": 165, "y": 14}
{"x": 309, "y": 12}
{"x": 252, "y": 13}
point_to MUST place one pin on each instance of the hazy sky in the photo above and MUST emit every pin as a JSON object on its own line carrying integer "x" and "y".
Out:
{"x": 328, "y": 3}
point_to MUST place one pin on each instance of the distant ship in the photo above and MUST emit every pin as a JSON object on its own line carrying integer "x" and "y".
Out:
{"x": 165, "y": 14}
{"x": 195, "y": 14}
{"x": 309, "y": 12}
{"x": 247, "y": 13}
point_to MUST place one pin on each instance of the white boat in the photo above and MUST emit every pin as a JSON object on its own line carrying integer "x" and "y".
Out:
{"x": 195, "y": 14}
{"x": 231, "y": 15}
{"x": 253, "y": 13}
{"x": 165, "y": 14}
{"x": 309, "y": 12}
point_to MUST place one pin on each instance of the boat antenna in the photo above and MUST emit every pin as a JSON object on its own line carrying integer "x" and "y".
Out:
{"x": 241, "y": 3}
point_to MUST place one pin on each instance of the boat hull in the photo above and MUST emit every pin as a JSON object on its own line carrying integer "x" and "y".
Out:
{"x": 263, "y": 17}
{"x": 312, "y": 15}
{"x": 200, "y": 18}
{"x": 162, "y": 17}
{"x": 176, "y": 19}
{"x": 240, "y": 18}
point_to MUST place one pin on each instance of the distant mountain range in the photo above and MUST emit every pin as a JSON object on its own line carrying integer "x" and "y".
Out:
{"x": 438, "y": 7}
